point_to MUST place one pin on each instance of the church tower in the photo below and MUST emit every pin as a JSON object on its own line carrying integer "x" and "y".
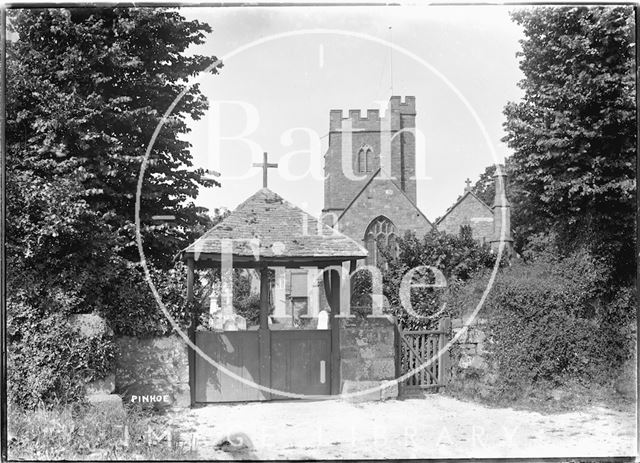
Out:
{"x": 358, "y": 146}
{"x": 370, "y": 169}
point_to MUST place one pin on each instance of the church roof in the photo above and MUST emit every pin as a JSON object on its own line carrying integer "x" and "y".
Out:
{"x": 459, "y": 201}
{"x": 282, "y": 234}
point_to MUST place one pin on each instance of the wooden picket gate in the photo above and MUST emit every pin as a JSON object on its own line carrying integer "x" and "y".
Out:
{"x": 415, "y": 348}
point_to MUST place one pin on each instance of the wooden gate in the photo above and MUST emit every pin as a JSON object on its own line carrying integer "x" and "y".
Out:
{"x": 237, "y": 351}
{"x": 415, "y": 348}
{"x": 295, "y": 361}
{"x": 300, "y": 361}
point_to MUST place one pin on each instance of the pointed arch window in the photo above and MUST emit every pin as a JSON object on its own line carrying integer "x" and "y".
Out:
{"x": 369, "y": 161}
{"x": 364, "y": 161}
{"x": 381, "y": 234}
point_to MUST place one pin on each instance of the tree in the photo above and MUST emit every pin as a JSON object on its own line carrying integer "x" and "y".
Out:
{"x": 86, "y": 89}
{"x": 485, "y": 187}
{"x": 573, "y": 133}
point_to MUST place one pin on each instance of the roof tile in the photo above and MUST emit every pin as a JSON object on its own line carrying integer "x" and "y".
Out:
{"x": 278, "y": 229}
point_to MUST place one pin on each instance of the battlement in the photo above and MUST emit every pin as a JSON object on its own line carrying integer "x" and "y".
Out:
{"x": 352, "y": 129}
{"x": 372, "y": 120}
{"x": 358, "y": 121}
{"x": 408, "y": 106}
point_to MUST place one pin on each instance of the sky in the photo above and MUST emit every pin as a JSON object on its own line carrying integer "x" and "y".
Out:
{"x": 285, "y": 68}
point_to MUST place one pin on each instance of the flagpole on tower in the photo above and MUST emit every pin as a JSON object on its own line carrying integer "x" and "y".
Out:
{"x": 391, "y": 58}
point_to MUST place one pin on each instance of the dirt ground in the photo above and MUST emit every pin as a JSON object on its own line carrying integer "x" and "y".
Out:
{"x": 432, "y": 427}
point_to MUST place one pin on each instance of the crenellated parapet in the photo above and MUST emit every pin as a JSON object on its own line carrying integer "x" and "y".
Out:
{"x": 372, "y": 121}
{"x": 408, "y": 106}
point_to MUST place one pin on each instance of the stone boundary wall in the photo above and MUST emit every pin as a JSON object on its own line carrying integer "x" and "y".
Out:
{"x": 367, "y": 356}
{"x": 99, "y": 392}
{"x": 471, "y": 372}
{"x": 471, "y": 346}
{"x": 153, "y": 371}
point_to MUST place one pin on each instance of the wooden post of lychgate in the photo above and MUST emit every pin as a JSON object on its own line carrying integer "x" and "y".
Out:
{"x": 397, "y": 345}
{"x": 332, "y": 281}
{"x": 264, "y": 298}
{"x": 191, "y": 331}
{"x": 264, "y": 335}
{"x": 444, "y": 326}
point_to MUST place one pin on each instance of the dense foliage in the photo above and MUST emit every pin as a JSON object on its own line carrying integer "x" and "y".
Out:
{"x": 563, "y": 311}
{"x": 573, "y": 134}
{"x": 86, "y": 88}
{"x": 49, "y": 363}
{"x": 458, "y": 257}
{"x": 549, "y": 325}
{"x": 52, "y": 248}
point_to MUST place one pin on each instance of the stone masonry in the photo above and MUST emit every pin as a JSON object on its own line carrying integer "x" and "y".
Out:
{"x": 153, "y": 371}
{"x": 471, "y": 344}
{"x": 471, "y": 373}
{"x": 469, "y": 210}
{"x": 367, "y": 357}
{"x": 382, "y": 197}
{"x": 370, "y": 131}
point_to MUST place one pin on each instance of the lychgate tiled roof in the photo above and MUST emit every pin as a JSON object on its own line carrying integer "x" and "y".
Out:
{"x": 270, "y": 225}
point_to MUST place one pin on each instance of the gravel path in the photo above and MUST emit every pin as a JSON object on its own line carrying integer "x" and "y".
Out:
{"x": 433, "y": 427}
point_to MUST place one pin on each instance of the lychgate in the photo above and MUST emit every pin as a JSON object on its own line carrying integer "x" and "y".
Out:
{"x": 266, "y": 232}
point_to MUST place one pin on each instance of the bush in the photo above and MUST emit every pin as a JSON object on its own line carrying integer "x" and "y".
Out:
{"x": 49, "y": 362}
{"x": 458, "y": 257}
{"x": 62, "y": 260}
{"x": 132, "y": 309}
{"x": 551, "y": 323}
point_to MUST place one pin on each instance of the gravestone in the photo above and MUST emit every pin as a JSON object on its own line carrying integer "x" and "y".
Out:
{"x": 323, "y": 320}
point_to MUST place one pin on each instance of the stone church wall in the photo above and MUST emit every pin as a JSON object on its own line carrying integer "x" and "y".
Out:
{"x": 339, "y": 190}
{"x": 463, "y": 214}
{"x": 408, "y": 149}
{"x": 382, "y": 198}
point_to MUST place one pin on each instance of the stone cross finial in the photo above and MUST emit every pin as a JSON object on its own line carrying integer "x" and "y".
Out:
{"x": 468, "y": 187}
{"x": 265, "y": 165}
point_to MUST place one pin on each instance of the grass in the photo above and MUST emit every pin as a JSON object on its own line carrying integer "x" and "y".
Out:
{"x": 83, "y": 432}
